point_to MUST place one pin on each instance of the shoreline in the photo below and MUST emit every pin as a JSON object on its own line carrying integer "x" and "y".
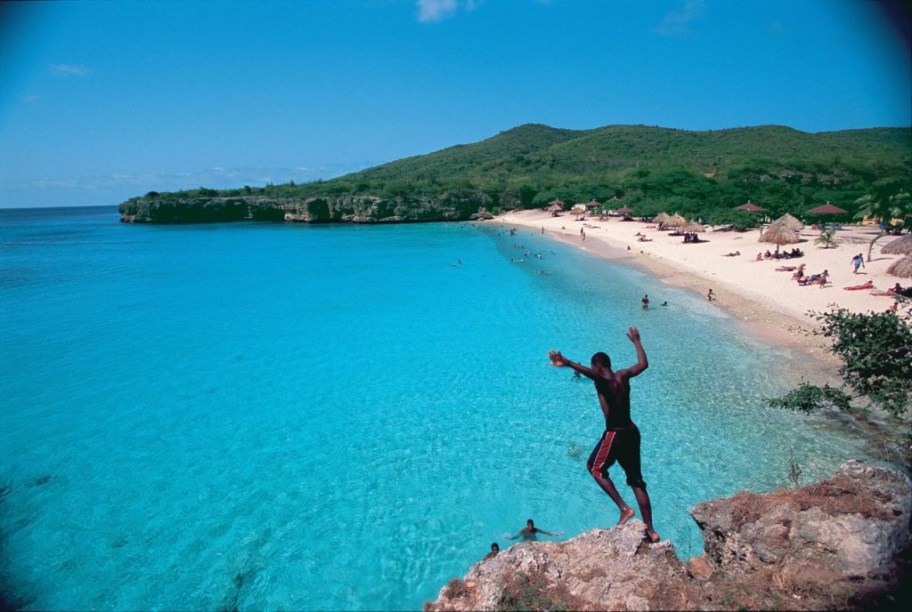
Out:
{"x": 765, "y": 303}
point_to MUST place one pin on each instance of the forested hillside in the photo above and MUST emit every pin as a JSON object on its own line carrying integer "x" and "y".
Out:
{"x": 698, "y": 174}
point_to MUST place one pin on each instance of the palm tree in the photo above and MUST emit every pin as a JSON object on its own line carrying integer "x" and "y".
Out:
{"x": 883, "y": 207}
{"x": 827, "y": 238}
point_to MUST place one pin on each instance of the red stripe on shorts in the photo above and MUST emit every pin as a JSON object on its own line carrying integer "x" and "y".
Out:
{"x": 602, "y": 456}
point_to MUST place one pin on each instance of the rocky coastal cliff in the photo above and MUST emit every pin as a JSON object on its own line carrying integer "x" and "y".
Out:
{"x": 841, "y": 543}
{"x": 176, "y": 208}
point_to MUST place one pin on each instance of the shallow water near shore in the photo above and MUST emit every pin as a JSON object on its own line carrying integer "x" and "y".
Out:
{"x": 309, "y": 417}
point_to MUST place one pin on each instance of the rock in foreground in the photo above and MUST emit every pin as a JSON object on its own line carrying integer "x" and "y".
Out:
{"x": 831, "y": 545}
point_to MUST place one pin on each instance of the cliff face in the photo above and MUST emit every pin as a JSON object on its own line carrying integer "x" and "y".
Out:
{"x": 832, "y": 545}
{"x": 341, "y": 209}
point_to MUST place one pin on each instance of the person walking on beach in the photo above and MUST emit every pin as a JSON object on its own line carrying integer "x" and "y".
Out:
{"x": 710, "y": 296}
{"x": 621, "y": 440}
{"x": 857, "y": 262}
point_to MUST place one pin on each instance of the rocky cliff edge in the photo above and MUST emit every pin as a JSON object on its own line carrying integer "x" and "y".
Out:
{"x": 841, "y": 543}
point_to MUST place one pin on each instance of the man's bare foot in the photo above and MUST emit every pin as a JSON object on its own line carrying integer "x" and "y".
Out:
{"x": 626, "y": 515}
{"x": 651, "y": 536}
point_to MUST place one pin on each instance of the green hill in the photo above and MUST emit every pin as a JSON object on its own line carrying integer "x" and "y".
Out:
{"x": 698, "y": 174}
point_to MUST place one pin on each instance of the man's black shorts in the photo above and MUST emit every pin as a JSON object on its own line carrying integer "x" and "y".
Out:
{"x": 623, "y": 446}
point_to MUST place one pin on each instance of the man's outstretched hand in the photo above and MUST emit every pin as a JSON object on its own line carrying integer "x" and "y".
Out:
{"x": 557, "y": 359}
{"x": 634, "y": 334}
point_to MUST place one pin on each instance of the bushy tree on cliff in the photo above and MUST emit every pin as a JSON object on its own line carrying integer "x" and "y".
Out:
{"x": 876, "y": 354}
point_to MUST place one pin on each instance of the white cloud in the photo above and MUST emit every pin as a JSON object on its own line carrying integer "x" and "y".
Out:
{"x": 70, "y": 70}
{"x": 677, "y": 22}
{"x": 437, "y": 10}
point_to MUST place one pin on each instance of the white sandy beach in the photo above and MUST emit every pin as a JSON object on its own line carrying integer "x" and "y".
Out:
{"x": 772, "y": 304}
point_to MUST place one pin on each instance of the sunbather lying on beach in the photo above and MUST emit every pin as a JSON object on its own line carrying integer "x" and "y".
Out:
{"x": 735, "y": 254}
{"x": 785, "y": 268}
{"x": 895, "y": 291}
{"x": 862, "y": 287}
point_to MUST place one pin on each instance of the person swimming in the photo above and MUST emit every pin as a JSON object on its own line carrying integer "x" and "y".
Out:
{"x": 529, "y": 532}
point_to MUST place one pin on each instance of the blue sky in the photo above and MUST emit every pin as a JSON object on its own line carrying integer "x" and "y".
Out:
{"x": 100, "y": 101}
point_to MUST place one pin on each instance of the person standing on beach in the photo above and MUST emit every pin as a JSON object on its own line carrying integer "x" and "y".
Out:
{"x": 621, "y": 440}
{"x": 857, "y": 262}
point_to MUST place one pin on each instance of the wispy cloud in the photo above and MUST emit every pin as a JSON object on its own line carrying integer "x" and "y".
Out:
{"x": 678, "y": 22}
{"x": 70, "y": 70}
{"x": 777, "y": 28}
{"x": 113, "y": 188}
{"x": 218, "y": 177}
{"x": 437, "y": 10}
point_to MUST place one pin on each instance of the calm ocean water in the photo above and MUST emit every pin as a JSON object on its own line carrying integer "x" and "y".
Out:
{"x": 275, "y": 416}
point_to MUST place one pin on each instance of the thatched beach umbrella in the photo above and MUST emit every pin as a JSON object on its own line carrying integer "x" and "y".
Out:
{"x": 901, "y": 267}
{"x": 750, "y": 207}
{"x": 789, "y": 222}
{"x": 779, "y": 234}
{"x": 900, "y": 246}
{"x": 661, "y": 219}
{"x": 624, "y": 210}
{"x": 676, "y": 221}
{"x": 693, "y": 227}
{"x": 827, "y": 209}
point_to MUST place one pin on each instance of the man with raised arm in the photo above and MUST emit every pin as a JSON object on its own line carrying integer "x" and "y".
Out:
{"x": 621, "y": 440}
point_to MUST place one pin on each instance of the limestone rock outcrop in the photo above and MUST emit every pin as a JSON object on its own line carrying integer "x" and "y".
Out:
{"x": 178, "y": 208}
{"x": 841, "y": 543}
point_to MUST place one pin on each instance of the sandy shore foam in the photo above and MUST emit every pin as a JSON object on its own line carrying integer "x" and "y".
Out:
{"x": 767, "y": 301}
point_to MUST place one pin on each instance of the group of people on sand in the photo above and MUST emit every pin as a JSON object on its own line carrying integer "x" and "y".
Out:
{"x": 796, "y": 252}
{"x": 619, "y": 442}
{"x": 691, "y": 237}
{"x": 814, "y": 279}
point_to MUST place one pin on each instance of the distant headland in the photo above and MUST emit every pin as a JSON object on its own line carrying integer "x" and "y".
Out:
{"x": 648, "y": 169}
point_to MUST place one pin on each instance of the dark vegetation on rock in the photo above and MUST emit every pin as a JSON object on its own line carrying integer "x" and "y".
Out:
{"x": 697, "y": 174}
{"x": 875, "y": 350}
{"x": 842, "y": 543}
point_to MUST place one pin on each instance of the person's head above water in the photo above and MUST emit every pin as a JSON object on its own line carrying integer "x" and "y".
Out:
{"x": 601, "y": 360}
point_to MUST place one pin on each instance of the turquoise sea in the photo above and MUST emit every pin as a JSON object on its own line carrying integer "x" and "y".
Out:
{"x": 258, "y": 416}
